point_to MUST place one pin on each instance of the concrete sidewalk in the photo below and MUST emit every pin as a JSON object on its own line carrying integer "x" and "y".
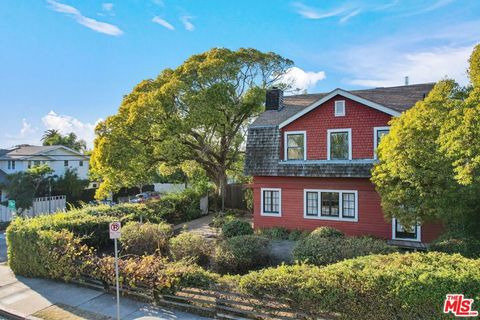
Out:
{"x": 33, "y": 298}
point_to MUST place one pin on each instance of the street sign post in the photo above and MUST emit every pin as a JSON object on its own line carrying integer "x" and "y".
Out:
{"x": 12, "y": 205}
{"x": 115, "y": 230}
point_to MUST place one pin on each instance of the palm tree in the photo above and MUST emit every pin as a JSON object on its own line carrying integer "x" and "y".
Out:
{"x": 50, "y": 135}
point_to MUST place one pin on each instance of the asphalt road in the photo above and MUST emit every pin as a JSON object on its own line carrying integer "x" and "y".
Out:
{"x": 3, "y": 248}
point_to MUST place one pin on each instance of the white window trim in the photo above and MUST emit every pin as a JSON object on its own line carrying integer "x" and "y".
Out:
{"x": 419, "y": 233}
{"x": 375, "y": 139}
{"x": 268, "y": 214}
{"x": 340, "y": 206}
{"x": 285, "y": 144}
{"x": 344, "y": 108}
{"x": 349, "y": 130}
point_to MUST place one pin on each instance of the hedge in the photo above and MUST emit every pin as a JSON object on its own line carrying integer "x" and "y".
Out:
{"x": 318, "y": 250}
{"x": 146, "y": 238}
{"x": 395, "y": 286}
{"x": 467, "y": 247}
{"x": 236, "y": 227}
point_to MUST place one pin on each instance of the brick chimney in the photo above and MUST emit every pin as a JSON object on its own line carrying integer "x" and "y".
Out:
{"x": 274, "y": 99}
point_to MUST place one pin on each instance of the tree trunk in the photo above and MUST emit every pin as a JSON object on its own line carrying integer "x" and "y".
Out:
{"x": 221, "y": 182}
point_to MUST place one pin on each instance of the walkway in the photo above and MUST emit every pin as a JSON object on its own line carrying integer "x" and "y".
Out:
{"x": 200, "y": 226}
{"x": 33, "y": 298}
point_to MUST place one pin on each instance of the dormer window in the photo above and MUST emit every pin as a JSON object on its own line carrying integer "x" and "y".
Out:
{"x": 295, "y": 144}
{"x": 339, "y": 108}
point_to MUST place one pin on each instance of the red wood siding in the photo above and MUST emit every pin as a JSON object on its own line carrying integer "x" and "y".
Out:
{"x": 360, "y": 118}
{"x": 370, "y": 217}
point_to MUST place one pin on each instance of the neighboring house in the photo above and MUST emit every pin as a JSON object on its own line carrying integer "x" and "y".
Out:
{"x": 59, "y": 158}
{"x": 311, "y": 157}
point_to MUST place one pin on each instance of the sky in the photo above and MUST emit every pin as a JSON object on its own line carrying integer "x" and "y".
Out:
{"x": 67, "y": 64}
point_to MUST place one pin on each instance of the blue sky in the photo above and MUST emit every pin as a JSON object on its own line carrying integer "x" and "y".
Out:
{"x": 66, "y": 64}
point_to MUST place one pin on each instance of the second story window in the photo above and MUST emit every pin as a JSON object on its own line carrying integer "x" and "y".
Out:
{"x": 80, "y": 163}
{"x": 379, "y": 133}
{"x": 339, "y": 108}
{"x": 339, "y": 144}
{"x": 65, "y": 163}
{"x": 11, "y": 164}
{"x": 295, "y": 144}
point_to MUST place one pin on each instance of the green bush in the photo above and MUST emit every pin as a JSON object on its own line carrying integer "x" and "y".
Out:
{"x": 320, "y": 251}
{"x": 235, "y": 228}
{"x": 152, "y": 272}
{"x": 275, "y": 233}
{"x": 124, "y": 212}
{"x": 145, "y": 238}
{"x": 327, "y": 232}
{"x": 33, "y": 252}
{"x": 219, "y": 220}
{"x": 177, "y": 207}
{"x": 190, "y": 246}
{"x": 296, "y": 235}
{"x": 395, "y": 286}
{"x": 467, "y": 247}
{"x": 241, "y": 254}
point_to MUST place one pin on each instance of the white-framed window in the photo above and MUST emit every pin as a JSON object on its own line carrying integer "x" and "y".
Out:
{"x": 339, "y": 144}
{"x": 339, "y": 108}
{"x": 65, "y": 163}
{"x": 341, "y": 205}
{"x": 378, "y": 134}
{"x": 400, "y": 232}
{"x": 11, "y": 164}
{"x": 295, "y": 145}
{"x": 271, "y": 202}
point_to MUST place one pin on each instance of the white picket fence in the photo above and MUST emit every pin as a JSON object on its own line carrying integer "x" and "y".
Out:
{"x": 43, "y": 205}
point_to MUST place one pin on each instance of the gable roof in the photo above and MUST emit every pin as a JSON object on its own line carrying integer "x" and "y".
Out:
{"x": 26, "y": 151}
{"x": 392, "y": 100}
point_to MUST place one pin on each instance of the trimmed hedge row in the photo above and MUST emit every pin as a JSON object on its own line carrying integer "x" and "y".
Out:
{"x": 395, "y": 286}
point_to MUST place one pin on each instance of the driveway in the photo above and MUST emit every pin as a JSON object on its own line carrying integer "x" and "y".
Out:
{"x": 3, "y": 247}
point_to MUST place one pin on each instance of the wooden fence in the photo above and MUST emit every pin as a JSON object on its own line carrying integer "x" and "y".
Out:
{"x": 212, "y": 303}
{"x": 43, "y": 205}
{"x": 235, "y": 196}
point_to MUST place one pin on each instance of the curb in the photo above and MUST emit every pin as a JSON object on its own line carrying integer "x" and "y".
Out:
{"x": 10, "y": 314}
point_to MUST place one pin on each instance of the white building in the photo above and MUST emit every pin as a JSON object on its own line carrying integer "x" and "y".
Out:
{"x": 59, "y": 158}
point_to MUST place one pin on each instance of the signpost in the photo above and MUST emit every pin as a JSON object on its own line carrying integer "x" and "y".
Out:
{"x": 12, "y": 205}
{"x": 115, "y": 229}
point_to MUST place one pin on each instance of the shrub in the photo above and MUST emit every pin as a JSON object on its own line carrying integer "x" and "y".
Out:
{"x": 33, "y": 252}
{"x": 124, "y": 212}
{"x": 467, "y": 247}
{"x": 320, "y": 251}
{"x": 177, "y": 207}
{"x": 152, "y": 272}
{"x": 395, "y": 286}
{"x": 241, "y": 253}
{"x": 296, "y": 235}
{"x": 327, "y": 232}
{"x": 236, "y": 228}
{"x": 145, "y": 238}
{"x": 275, "y": 233}
{"x": 191, "y": 246}
{"x": 219, "y": 220}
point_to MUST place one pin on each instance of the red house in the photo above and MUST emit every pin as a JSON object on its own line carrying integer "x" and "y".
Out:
{"x": 311, "y": 157}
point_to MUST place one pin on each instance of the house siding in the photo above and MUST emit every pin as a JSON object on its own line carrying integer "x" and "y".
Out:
{"x": 360, "y": 118}
{"x": 370, "y": 216}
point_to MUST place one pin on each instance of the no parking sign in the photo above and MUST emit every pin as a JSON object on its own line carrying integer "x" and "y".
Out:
{"x": 115, "y": 229}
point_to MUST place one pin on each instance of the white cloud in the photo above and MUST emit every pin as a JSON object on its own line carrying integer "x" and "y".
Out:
{"x": 187, "y": 24}
{"x": 66, "y": 124}
{"x": 163, "y": 23}
{"x": 90, "y": 23}
{"x": 302, "y": 80}
{"x": 28, "y": 134}
{"x": 437, "y": 5}
{"x": 107, "y": 6}
{"x": 311, "y": 13}
{"x": 429, "y": 65}
{"x": 352, "y": 14}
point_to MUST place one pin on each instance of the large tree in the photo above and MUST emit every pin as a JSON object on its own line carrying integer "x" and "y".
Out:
{"x": 428, "y": 168}
{"x": 198, "y": 112}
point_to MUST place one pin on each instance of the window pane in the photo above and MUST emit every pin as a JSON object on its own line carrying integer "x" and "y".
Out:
{"x": 348, "y": 208}
{"x": 312, "y": 204}
{"x": 330, "y": 204}
{"x": 380, "y": 135}
{"x": 271, "y": 201}
{"x": 295, "y": 146}
{"x": 339, "y": 145}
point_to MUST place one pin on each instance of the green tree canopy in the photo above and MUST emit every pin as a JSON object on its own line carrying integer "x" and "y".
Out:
{"x": 196, "y": 114}
{"x": 428, "y": 163}
{"x": 53, "y": 137}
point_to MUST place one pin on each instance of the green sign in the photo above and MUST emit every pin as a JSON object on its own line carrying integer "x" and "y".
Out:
{"x": 11, "y": 204}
